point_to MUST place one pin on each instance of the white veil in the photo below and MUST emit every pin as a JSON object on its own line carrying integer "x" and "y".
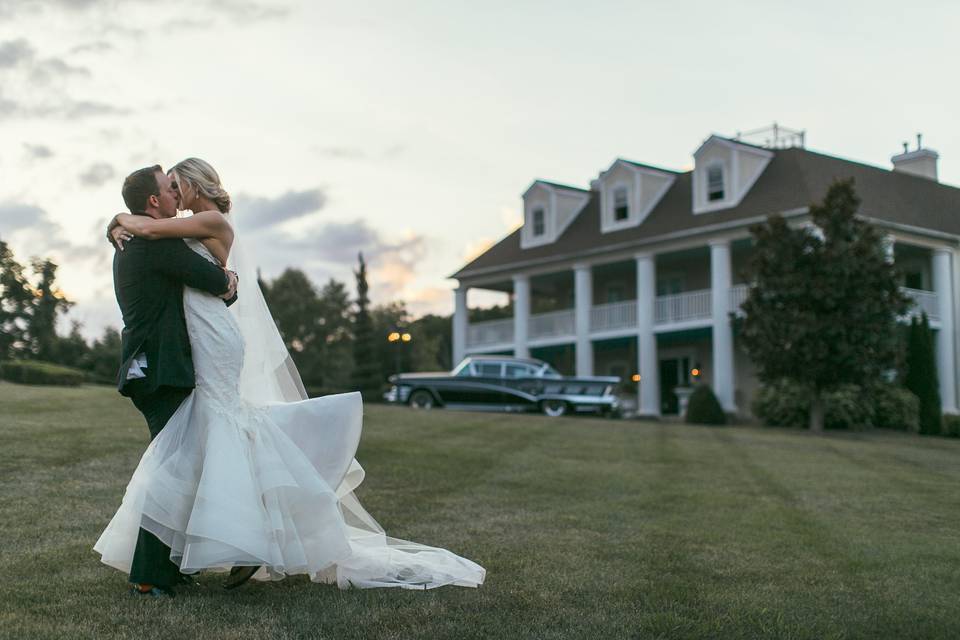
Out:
{"x": 270, "y": 377}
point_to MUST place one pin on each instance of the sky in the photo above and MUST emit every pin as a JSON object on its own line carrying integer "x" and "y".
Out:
{"x": 409, "y": 130}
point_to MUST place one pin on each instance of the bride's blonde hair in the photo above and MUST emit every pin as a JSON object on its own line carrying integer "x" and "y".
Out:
{"x": 204, "y": 179}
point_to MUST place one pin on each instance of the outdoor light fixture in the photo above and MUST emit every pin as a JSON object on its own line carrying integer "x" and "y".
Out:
{"x": 406, "y": 337}
{"x": 394, "y": 336}
{"x": 635, "y": 377}
{"x": 695, "y": 372}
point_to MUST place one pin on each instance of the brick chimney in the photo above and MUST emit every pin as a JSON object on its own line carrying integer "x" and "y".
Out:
{"x": 919, "y": 162}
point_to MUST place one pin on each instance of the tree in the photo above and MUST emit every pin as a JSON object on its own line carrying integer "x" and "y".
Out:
{"x": 103, "y": 357}
{"x": 367, "y": 373}
{"x": 822, "y": 310}
{"x": 48, "y": 303}
{"x": 921, "y": 377}
{"x": 16, "y": 299}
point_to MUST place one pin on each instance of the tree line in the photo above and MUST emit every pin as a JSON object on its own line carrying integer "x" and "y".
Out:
{"x": 337, "y": 339}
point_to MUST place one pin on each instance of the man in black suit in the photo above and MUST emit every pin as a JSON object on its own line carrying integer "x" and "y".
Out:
{"x": 157, "y": 369}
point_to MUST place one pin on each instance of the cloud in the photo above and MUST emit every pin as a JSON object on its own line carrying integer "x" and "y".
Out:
{"x": 38, "y": 151}
{"x": 248, "y": 11}
{"x": 255, "y": 212}
{"x": 98, "y": 46}
{"x": 355, "y": 153}
{"x": 51, "y": 69}
{"x": 14, "y": 53}
{"x": 97, "y": 174}
{"x": 15, "y": 216}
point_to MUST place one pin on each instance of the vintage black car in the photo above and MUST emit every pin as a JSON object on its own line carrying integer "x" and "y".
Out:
{"x": 501, "y": 383}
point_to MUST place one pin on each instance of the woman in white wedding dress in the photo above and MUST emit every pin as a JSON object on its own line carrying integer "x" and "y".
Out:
{"x": 249, "y": 472}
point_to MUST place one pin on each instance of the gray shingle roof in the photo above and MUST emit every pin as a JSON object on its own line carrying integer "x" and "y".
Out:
{"x": 795, "y": 178}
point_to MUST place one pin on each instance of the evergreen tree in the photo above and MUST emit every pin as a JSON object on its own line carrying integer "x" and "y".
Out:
{"x": 822, "y": 310}
{"x": 921, "y": 375}
{"x": 367, "y": 373}
{"x": 48, "y": 302}
{"x": 16, "y": 299}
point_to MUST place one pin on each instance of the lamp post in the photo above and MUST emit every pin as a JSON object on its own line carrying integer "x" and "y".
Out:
{"x": 399, "y": 337}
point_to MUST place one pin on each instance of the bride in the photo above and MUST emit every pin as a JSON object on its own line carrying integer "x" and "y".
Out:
{"x": 249, "y": 474}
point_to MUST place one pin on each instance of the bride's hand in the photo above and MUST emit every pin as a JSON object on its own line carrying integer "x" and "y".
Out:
{"x": 116, "y": 234}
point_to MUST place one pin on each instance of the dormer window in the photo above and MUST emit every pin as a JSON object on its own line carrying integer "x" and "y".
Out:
{"x": 621, "y": 209}
{"x": 715, "y": 183}
{"x": 539, "y": 222}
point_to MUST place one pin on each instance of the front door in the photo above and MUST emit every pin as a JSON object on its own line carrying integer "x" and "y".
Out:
{"x": 674, "y": 372}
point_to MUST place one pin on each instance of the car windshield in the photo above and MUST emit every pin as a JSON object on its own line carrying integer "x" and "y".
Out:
{"x": 463, "y": 369}
{"x": 549, "y": 372}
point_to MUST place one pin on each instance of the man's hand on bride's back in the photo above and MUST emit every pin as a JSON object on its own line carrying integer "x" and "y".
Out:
{"x": 232, "y": 281}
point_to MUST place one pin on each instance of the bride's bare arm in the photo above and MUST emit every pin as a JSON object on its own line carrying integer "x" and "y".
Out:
{"x": 206, "y": 224}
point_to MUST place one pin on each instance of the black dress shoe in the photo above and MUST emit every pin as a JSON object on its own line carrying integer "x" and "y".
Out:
{"x": 154, "y": 592}
{"x": 239, "y": 575}
{"x": 185, "y": 580}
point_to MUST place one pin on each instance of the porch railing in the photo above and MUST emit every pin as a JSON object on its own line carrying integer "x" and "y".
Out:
{"x": 555, "y": 323}
{"x": 490, "y": 332}
{"x": 682, "y": 307}
{"x": 613, "y": 315}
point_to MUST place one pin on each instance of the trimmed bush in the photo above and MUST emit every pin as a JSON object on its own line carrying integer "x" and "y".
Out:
{"x": 951, "y": 425}
{"x": 895, "y": 408}
{"x": 848, "y": 407}
{"x": 42, "y": 373}
{"x": 704, "y": 408}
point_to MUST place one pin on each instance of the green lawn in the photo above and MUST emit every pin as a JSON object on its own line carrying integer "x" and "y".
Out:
{"x": 587, "y": 528}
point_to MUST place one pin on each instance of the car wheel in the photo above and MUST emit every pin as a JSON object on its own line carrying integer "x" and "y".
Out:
{"x": 553, "y": 408}
{"x": 421, "y": 399}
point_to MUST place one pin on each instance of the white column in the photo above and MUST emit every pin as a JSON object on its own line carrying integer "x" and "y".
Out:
{"x": 521, "y": 315}
{"x": 583, "y": 302}
{"x": 460, "y": 324}
{"x": 649, "y": 391}
{"x": 720, "y": 282}
{"x": 943, "y": 285}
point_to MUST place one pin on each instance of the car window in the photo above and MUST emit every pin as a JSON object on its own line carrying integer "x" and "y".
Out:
{"x": 519, "y": 371}
{"x": 550, "y": 372}
{"x": 488, "y": 369}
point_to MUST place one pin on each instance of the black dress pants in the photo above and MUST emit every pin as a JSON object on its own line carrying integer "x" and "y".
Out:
{"x": 151, "y": 558}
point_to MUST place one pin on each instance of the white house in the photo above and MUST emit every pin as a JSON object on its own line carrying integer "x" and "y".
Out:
{"x": 636, "y": 275}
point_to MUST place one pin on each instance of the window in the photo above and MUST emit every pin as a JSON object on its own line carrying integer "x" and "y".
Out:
{"x": 621, "y": 208}
{"x": 715, "y": 183}
{"x": 539, "y": 222}
{"x": 488, "y": 369}
{"x": 519, "y": 371}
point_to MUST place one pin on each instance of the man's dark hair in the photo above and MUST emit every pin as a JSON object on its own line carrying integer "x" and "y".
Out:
{"x": 139, "y": 186}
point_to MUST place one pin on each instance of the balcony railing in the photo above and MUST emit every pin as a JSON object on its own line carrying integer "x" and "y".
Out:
{"x": 924, "y": 301}
{"x": 738, "y": 293}
{"x": 614, "y": 315}
{"x": 682, "y": 307}
{"x": 491, "y": 332}
{"x": 555, "y": 323}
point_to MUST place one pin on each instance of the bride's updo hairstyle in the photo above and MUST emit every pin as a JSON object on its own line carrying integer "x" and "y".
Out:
{"x": 204, "y": 180}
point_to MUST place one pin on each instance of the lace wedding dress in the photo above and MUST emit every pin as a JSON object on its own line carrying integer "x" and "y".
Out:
{"x": 233, "y": 480}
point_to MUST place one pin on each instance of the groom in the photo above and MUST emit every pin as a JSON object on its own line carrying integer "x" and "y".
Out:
{"x": 157, "y": 370}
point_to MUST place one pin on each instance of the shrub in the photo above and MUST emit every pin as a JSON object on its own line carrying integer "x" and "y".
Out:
{"x": 951, "y": 426}
{"x": 781, "y": 404}
{"x": 704, "y": 408}
{"x": 788, "y": 405}
{"x": 44, "y": 373}
{"x": 895, "y": 408}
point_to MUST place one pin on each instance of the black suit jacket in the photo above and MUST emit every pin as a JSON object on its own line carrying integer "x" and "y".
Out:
{"x": 148, "y": 279}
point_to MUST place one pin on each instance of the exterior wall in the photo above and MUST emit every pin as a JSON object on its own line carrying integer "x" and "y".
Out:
{"x": 750, "y": 166}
